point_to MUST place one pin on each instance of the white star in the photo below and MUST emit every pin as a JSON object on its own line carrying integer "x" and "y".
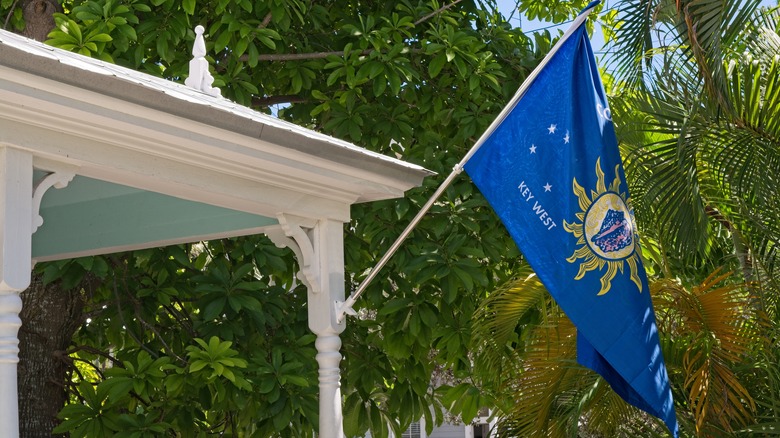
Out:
{"x": 566, "y": 138}
{"x": 547, "y": 187}
{"x": 552, "y": 129}
{"x": 532, "y": 149}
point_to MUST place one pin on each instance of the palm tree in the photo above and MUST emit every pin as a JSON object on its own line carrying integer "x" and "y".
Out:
{"x": 697, "y": 106}
{"x": 703, "y": 177}
{"x": 707, "y": 334}
{"x": 706, "y": 174}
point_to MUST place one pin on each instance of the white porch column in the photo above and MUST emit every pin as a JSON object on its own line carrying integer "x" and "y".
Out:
{"x": 16, "y": 173}
{"x": 319, "y": 248}
{"x": 328, "y": 242}
{"x": 328, "y": 358}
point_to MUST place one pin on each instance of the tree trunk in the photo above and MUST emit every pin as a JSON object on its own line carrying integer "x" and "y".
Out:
{"x": 50, "y": 316}
{"x": 39, "y": 18}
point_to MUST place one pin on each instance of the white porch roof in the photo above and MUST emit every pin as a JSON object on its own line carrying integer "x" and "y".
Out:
{"x": 142, "y": 162}
{"x": 142, "y": 134}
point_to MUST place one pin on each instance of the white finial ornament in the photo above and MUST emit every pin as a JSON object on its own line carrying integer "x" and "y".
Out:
{"x": 200, "y": 78}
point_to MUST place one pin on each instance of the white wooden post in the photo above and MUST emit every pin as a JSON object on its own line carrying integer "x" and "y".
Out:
{"x": 16, "y": 173}
{"x": 329, "y": 238}
{"x": 328, "y": 358}
{"x": 319, "y": 246}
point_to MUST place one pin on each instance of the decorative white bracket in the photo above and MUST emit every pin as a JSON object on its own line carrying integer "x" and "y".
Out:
{"x": 297, "y": 233}
{"x": 318, "y": 245}
{"x": 200, "y": 78}
{"x": 55, "y": 179}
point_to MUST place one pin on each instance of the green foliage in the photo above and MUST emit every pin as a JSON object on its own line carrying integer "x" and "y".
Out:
{"x": 165, "y": 359}
{"x": 556, "y": 11}
{"x": 68, "y": 36}
{"x": 465, "y": 399}
{"x": 13, "y": 17}
{"x": 212, "y": 339}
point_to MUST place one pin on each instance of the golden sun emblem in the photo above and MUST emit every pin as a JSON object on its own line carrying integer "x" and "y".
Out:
{"x": 605, "y": 232}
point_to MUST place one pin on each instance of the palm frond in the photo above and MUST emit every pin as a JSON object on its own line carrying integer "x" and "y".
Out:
{"x": 761, "y": 35}
{"x": 549, "y": 382}
{"x": 634, "y": 45}
{"x": 499, "y": 325}
{"x": 743, "y": 151}
{"x": 666, "y": 178}
{"x": 709, "y": 27}
{"x": 549, "y": 394}
{"x": 703, "y": 153}
{"x": 501, "y": 313}
{"x": 716, "y": 329}
{"x": 609, "y": 415}
{"x": 766, "y": 378}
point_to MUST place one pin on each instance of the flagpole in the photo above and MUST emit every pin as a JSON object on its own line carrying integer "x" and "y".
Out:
{"x": 345, "y": 308}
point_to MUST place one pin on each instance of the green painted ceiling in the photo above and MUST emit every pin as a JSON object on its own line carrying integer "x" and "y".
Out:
{"x": 90, "y": 216}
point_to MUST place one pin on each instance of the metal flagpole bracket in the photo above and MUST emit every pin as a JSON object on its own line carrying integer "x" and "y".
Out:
{"x": 343, "y": 309}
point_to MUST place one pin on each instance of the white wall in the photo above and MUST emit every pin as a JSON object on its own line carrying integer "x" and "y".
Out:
{"x": 449, "y": 431}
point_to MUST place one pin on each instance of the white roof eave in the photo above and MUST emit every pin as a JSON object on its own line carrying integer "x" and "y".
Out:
{"x": 201, "y": 120}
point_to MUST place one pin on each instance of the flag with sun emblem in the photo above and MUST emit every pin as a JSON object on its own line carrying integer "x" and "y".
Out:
{"x": 552, "y": 172}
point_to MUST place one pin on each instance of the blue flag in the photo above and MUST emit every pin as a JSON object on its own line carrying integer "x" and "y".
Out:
{"x": 552, "y": 172}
